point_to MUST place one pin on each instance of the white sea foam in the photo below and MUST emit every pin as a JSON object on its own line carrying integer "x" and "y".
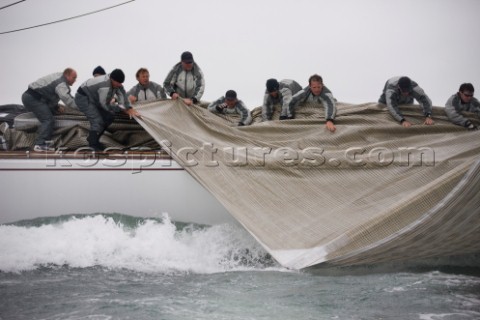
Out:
{"x": 152, "y": 246}
{"x": 439, "y": 316}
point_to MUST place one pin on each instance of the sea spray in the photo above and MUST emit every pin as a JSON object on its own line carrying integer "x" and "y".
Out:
{"x": 146, "y": 245}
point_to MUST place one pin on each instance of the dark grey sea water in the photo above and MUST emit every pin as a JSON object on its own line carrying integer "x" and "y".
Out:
{"x": 119, "y": 267}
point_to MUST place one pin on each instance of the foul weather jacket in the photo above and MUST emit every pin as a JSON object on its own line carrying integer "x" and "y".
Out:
{"x": 149, "y": 93}
{"x": 100, "y": 92}
{"x": 239, "y": 108}
{"x": 188, "y": 84}
{"x": 287, "y": 88}
{"x": 454, "y": 107}
{"x": 325, "y": 98}
{"x": 392, "y": 97}
{"x": 51, "y": 89}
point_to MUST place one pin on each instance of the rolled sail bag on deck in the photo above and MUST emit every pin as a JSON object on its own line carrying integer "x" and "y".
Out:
{"x": 71, "y": 129}
{"x": 8, "y": 112}
{"x": 28, "y": 121}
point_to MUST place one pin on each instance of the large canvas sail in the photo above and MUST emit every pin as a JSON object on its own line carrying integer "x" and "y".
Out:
{"x": 372, "y": 191}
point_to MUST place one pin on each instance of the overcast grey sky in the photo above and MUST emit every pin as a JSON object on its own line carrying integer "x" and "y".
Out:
{"x": 355, "y": 45}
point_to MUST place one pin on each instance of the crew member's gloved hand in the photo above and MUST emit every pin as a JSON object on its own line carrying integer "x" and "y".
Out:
{"x": 470, "y": 126}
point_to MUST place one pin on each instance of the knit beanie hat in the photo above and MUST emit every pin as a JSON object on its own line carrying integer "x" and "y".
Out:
{"x": 404, "y": 83}
{"x": 187, "y": 57}
{"x": 99, "y": 70}
{"x": 230, "y": 95}
{"x": 117, "y": 75}
{"x": 272, "y": 85}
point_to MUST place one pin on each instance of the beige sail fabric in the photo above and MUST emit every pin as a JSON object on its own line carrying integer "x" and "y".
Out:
{"x": 372, "y": 191}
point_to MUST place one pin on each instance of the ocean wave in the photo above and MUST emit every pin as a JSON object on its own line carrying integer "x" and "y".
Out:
{"x": 120, "y": 241}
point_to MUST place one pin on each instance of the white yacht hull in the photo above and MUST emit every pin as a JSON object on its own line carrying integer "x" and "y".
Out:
{"x": 41, "y": 185}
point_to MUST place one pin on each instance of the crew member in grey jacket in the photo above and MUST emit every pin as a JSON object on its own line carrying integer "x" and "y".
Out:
{"x": 185, "y": 80}
{"x": 100, "y": 98}
{"x": 463, "y": 101}
{"x": 318, "y": 93}
{"x": 229, "y": 104}
{"x": 402, "y": 90}
{"x": 145, "y": 90}
{"x": 42, "y": 97}
{"x": 279, "y": 92}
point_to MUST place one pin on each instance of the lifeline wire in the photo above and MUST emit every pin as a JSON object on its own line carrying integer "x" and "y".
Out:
{"x": 71, "y": 18}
